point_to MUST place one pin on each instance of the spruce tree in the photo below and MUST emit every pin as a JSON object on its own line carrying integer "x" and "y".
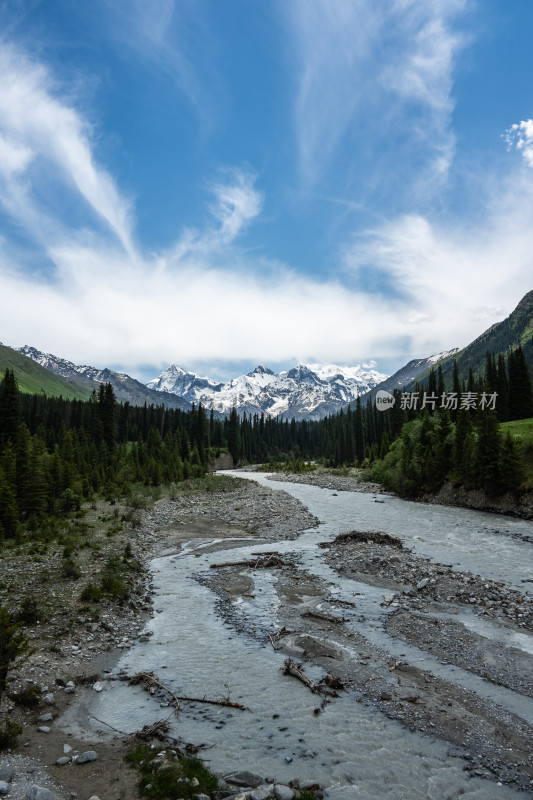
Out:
{"x": 10, "y": 408}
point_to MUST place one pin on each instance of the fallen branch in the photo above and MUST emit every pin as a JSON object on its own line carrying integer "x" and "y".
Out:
{"x": 224, "y": 702}
{"x": 323, "y": 616}
{"x": 122, "y": 733}
{"x": 261, "y": 563}
{"x": 290, "y": 667}
{"x": 149, "y": 679}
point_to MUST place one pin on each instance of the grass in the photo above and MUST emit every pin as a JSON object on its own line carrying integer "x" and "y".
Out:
{"x": 164, "y": 776}
{"x": 521, "y": 431}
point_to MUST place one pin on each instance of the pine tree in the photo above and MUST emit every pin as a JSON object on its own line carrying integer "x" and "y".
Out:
{"x": 520, "y": 389}
{"x": 10, "y": 408}
{"x": 234, "y": 436}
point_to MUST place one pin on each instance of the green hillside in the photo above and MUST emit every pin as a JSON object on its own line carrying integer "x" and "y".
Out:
{"x": 34, "y": 379}
{"x": 502, "y": 337}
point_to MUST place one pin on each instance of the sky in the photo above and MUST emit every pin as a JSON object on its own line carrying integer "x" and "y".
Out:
{"x": 223, "y": 184}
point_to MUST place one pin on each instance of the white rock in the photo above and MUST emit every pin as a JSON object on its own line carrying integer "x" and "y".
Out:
{"x": 282, "y": 792}
{"x": 98, "y": 686}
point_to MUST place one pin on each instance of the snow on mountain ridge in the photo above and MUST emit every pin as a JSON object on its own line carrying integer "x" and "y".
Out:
{"x": 307, "y": 391}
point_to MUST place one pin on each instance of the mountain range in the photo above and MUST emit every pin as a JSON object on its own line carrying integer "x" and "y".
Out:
{"x": 308, "y": 391}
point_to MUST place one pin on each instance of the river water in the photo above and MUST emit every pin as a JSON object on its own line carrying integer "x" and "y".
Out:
{"x": 351, "y": 749}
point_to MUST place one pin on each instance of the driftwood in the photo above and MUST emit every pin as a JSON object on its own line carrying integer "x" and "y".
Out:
{"x": 155, "y": 730}
{"x": 122, "y": 733}
{"x": 149, "y": 680}
{"x": 278, "y": 635}
{"x": 272, "y": 560}
{"x": 323, "y": 616}
{"x": 290, "y": 667}
{"x": 328, "y": 685}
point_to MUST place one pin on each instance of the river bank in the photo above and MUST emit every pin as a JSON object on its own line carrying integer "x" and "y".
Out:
{"x": 80, "y": 641}
{"x": 520, "y": 505}
{"x": 417, "y": 595}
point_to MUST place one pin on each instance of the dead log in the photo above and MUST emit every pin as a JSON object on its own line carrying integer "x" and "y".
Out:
{"x": 260, "y": 563}
{"x": 290, "y": 667}
{"x": 148, "y": 678}
{"x": 323, "y": 616}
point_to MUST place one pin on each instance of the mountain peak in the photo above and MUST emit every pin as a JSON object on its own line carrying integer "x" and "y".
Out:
{"x": 260, "y": 370}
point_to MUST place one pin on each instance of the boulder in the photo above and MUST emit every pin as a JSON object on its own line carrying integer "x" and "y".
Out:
{"x": 244, "y": 778}
{"x": 39, "y": 793}
{"x": 89, "y": 755}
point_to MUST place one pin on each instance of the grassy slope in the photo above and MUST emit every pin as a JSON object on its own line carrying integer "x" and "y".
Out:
{"x": 522, "y": 432}
{"x": 34, "y": 379}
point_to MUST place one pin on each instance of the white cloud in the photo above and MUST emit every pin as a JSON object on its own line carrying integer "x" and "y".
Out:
{"x": 237, "y": 203}
{"x": 520, "y": 135}
{"x": 14, "y": 157}
{"x": 352, "y": 53}
{"x": 38, "y": 127}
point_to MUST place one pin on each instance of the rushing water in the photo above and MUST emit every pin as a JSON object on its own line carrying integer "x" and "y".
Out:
{"x": 351, "y": 748}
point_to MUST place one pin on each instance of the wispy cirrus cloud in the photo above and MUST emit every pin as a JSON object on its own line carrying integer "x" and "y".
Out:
{"x": 354, "y": 56}
{"x": 42, "y": 134}
{"x": 164, "y": 34}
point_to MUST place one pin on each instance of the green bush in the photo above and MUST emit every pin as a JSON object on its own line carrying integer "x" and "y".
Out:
{"x": 29, "y": 697}
{"x": 91, "y": 593}
{"x": 29, "y": 612}
{"x": 170, "y": 778}
{"x": 70, "y": 569}
{"x": 9, "y": 734}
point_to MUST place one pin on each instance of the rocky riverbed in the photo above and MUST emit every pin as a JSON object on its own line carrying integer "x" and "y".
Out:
{"x": 428, "y": 605}
{"x": 78, "y": 641}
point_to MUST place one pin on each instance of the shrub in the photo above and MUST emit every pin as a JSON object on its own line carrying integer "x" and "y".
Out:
{"x": 91, "y": 593}
{"x": 70, "y": 570}
{"x": 29, "y": 612}
{"x": 29, "y": 697}
{"x": 9, "y": 734}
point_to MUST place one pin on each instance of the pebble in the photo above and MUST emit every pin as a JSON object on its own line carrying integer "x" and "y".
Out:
{"x": 46, "y": 718}
{"x": 44, "y": 729}
{"x": 48, "y": 699}
{"x": 63, "y": 760}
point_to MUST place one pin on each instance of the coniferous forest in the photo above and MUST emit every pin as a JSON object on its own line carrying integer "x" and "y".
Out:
{"x": 56, "y": 453}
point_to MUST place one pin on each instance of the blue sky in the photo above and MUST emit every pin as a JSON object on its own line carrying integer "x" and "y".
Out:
{"x": 221, "y": 184}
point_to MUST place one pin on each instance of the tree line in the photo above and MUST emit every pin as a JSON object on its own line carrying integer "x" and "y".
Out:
{"x": 56, "y": 453}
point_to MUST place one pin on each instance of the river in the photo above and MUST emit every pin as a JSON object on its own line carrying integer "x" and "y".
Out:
{"x": 352, "y": 749}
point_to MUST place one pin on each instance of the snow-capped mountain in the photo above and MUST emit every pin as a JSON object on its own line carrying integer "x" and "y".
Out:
{"x": 308, "y": 391}
{"x": 126, "y": 388}
{"x": 407, "y": 374}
